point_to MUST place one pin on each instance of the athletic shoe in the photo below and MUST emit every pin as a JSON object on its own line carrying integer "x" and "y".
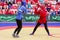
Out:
{"x": 32, "y": 34}
{"x": 15, "y": 36}
{"x": 49, "y": 35}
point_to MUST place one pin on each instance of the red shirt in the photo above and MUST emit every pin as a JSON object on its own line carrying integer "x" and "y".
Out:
{"x": 43, "y": 14}
{"x": 1, "y": 3}
{"x": 27, "y": 1}
{"x": 36, "y": 1}
{"x": 1, "y": 12}
{"x": 18, "y": 1}
{"x": 5, "y": 4}
{"x": 5, "y": 11}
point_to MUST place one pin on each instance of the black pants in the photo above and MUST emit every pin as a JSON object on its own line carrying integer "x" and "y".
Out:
{"x": 38, "y": 24}
{"x": 19, "y": 26}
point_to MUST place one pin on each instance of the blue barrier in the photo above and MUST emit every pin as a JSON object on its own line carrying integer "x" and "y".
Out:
{"x": 28, "y": 24}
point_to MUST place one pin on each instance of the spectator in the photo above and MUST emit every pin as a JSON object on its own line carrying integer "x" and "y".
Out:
{"x": 5, "y": 5}
{"x": 56, "y": 0}
{"x": 1, "y": 12}
{"x": 53, "y": 13}
{"x": 41, "y": 1}
{"x": 48, "y": 7}
{"x": 18, "y": 1}
{"x": 1, "y": 5}
{"x": 9, "y": 5}
{"x": 3, "y": 0}
{"x": 29, "y": 4}
{"x": 59, "y": 11}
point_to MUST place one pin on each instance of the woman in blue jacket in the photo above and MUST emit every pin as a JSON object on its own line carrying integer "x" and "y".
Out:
{"x": 22, "y": 9}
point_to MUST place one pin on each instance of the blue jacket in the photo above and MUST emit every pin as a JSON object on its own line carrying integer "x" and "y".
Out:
{"x": 20, "y": 12}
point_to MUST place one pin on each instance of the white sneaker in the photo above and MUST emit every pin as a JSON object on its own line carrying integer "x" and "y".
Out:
{"x": 16, "y": 36}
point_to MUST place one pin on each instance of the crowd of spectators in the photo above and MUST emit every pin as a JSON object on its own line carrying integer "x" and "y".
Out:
{"x": 10, "y": 6}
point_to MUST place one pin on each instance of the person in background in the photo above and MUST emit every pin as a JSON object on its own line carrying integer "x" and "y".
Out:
{"x": 58, "y": 12}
